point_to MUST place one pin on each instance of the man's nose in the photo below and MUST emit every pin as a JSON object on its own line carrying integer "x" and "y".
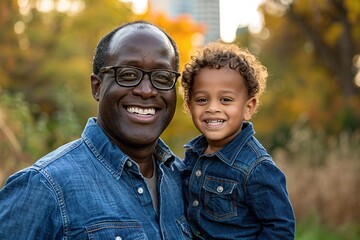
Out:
{"x": 145, "y": 87}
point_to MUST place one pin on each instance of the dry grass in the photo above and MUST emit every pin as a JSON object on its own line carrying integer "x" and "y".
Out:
{"x": 331, "y": 191}
{"x": 326, "y": 183}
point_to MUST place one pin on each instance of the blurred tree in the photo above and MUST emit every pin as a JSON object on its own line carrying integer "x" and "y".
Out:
{"x": 309, "y": 48}
{"x": 332, "y": 28}
{"x": 46, "y": 52}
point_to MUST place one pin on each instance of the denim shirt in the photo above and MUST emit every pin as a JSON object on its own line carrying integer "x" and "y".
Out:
{"x": 89, "y": 189}
{"x": 236, "y": 192}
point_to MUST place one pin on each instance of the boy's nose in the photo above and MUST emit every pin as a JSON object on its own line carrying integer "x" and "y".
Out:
{"x": 213, "y": 107}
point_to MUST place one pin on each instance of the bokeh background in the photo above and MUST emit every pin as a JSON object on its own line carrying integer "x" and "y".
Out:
{"x": 309, "y": 118}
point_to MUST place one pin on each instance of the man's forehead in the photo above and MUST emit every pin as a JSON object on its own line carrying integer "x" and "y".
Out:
{"x": 133, "y": 30}
{"x": 126, "y": 35}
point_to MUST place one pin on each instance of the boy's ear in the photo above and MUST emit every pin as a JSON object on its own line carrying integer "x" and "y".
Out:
{"x": 187, "y": 103}
{"x": 187, "y": 106}
{"x": 250, "y": 108}
{"x": 95, "y": 86}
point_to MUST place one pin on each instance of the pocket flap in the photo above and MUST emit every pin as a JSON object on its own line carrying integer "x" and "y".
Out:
{"x": 220, "y": 186}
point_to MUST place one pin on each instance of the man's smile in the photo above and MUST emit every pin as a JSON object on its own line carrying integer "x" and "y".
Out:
{"x": 141, "y": 111}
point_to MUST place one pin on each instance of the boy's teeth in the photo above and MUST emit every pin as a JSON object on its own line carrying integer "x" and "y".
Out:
{"x": 141, "y": 111}
{"x": 214, "y": 121}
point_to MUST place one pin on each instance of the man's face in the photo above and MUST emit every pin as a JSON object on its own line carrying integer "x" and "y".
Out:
{"x": 136, "y": 116}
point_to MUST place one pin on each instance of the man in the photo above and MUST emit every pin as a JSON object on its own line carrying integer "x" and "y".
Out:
{"x": 119, "y": 180}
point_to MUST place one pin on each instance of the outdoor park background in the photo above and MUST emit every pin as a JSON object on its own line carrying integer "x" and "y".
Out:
{"x": 309, "y": 119}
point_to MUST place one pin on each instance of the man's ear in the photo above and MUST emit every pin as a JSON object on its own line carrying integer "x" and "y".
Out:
{"x": 95, "y": 86}
{"x": 250, "y": 108}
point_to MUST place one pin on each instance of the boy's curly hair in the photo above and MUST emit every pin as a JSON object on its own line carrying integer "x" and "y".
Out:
{"x": 218, "y": 55}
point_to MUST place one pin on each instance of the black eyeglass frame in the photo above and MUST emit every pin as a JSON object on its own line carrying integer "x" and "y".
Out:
{"x": 143, "y": 73}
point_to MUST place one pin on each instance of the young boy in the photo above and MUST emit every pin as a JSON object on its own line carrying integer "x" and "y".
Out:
{"x": 233, "y": 189}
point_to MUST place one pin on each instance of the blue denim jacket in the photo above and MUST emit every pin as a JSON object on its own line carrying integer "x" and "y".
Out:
{"x": 89, "y": 189}
{"x": 237, "y": 192}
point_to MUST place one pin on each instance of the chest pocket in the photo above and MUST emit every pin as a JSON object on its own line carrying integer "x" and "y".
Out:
{"x": 220, "y": 197}
{"x": 116, "y": 231}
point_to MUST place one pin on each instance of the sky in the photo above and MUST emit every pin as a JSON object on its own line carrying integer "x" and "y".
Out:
{"x": 233, "y": 13}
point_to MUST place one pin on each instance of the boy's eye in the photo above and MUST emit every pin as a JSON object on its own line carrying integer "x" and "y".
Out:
{"x": 200, "y": 100}
{"x": 225, "y": 99}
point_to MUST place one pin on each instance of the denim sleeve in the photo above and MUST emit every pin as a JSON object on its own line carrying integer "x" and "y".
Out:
{"x": 28, "y": 208}
{"x": 268, "y": 198}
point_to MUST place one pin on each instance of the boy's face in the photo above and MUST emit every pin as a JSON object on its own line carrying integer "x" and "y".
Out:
{"x": 219, "y": 104}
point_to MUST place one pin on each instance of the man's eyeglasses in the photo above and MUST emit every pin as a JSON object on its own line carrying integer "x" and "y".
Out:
{"x": 129, "y": 76}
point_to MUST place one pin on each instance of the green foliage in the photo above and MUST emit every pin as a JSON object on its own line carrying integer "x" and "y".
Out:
{"x": 22, "y": 127}
{"x": 53, "y": 51}
{"x": 312, "y": 229}
{"x": 25, "y": 137}
{"x": 31, "y": 134}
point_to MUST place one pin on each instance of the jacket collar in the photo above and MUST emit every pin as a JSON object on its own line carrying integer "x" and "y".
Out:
{"x": 229, "y": 152}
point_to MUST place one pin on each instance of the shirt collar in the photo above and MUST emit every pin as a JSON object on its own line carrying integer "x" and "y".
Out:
{"x": 230, "y": 151}
{"x": 110, "y": 155}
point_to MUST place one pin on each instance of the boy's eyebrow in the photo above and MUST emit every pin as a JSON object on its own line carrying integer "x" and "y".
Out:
{"x": 222, "y": 92}
{"x": 199, "y": 91}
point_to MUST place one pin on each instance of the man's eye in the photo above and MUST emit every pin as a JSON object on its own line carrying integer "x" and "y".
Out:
{"x": 127, "y": 75}
{"x": 162, "y": 77}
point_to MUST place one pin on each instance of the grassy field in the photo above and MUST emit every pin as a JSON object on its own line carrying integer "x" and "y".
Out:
{"x": 323, "y": 177}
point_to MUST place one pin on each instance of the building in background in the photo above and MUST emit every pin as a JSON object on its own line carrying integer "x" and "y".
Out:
{"x": 205, "y": 12}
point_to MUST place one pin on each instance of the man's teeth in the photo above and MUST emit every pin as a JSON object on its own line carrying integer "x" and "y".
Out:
{"x": 141, "y": 111}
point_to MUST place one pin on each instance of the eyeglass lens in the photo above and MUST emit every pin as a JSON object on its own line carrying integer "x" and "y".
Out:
{"x": 161, "y": 79}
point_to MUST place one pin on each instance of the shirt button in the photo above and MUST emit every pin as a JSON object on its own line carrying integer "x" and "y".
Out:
{"x": 186, "y": 182}
{"x": 220, "y": 189}
{"x": 129, "y": 163}
{"x": 198, "y": 173}
{"x": 140, "y": 190}
{"x": 118, "y": 238}
{"x": 195, "y": 203}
